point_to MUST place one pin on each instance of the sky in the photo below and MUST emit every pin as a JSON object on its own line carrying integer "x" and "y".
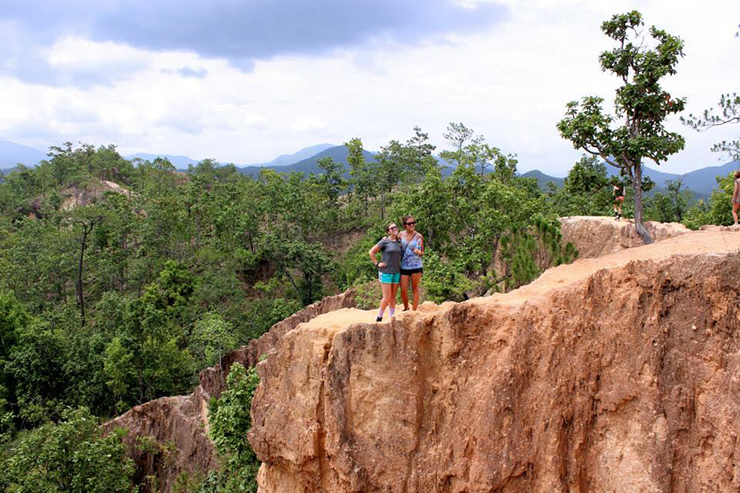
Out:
{"x": 244, "y": 81}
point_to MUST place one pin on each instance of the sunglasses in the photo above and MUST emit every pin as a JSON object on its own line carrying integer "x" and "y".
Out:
{"x": 412, "y": 223}
{"x": 392, "y": 227}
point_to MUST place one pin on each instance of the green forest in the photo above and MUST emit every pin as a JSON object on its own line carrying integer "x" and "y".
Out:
{"x": 111, "y": 296}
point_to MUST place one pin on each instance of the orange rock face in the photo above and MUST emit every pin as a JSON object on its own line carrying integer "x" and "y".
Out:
{"x": 595, "y": 236}
{"x": 613, "y": 374}
{"x": 179, "y": 425}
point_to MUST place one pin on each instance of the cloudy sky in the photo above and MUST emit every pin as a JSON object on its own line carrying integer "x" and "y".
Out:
{"x": 246, "y": 80}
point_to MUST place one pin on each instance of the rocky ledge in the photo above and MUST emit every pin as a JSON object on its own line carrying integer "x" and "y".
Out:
{"x": 614, "y": 374}
{"x": 595, "y": 236}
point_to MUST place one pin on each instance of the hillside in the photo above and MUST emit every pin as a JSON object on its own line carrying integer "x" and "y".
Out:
{"x": 543, "y": 179}
{"x": 347, "y": 402}
{"x": 308, "y": 165}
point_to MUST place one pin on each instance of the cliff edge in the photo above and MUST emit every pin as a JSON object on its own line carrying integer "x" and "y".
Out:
{"x": 595, "y": 236}
{"x": 611, "y": 374}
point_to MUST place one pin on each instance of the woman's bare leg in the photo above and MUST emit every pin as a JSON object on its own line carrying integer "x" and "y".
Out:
{"x": 415, "y": 281}
{"x": 735, "y": 207}
{"x": 386, "y": 298}
{"x": 394, "y": 290}
{"x": 405, "y": 291}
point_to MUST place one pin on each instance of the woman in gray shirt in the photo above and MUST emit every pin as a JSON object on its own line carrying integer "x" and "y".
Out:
{"x": 389, "y": 268}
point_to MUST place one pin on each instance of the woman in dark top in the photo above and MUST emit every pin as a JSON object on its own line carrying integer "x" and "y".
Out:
{"x": 389, "y": 268}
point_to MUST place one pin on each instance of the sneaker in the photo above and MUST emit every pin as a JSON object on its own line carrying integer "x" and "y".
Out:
{"x": 378, "y": 319}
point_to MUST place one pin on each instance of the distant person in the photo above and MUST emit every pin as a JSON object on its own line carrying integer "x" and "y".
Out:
{"x": 412, "y": 243}
{"x": 618, "y": 192}
{"x": 736, "y": 197}
{"x": 389, "y": 269}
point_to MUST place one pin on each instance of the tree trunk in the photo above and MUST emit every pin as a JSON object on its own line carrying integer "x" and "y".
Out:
{"x": 637, "y": 187}
{"x": 86, "y": 229}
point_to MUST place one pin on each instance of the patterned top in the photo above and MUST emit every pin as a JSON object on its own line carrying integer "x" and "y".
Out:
{"x": 410, "y": 259}
{"x": 735, "y": 196}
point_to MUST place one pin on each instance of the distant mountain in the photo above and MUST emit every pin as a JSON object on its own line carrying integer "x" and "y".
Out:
{"x": 704, "y": 180}
{"x": 11, "y": 154}
{"x": 309, "y": 165}
{"x": 542, "y": 178}
{"x": 180, "y": 162}
{"x": 288, "y": 159}
{"x": 659, "y": 177}
{"x": 701, "y": 181}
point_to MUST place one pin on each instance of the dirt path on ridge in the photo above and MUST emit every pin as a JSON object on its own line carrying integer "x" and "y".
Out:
{"x": 698, "y": 242}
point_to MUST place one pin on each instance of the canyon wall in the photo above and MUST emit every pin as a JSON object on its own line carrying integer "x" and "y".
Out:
{"x": 177, "y": 427}
{"x": 612, "y": 374}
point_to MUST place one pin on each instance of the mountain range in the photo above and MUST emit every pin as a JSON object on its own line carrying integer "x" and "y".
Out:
{"x": 701, "y": 181}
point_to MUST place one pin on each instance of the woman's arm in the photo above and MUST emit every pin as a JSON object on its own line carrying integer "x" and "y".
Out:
{"x": 420, "y": 251}
{"x": 372, "y": 253}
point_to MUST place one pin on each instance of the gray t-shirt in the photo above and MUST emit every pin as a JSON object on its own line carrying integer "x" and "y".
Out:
{"x": 391, "y": 255}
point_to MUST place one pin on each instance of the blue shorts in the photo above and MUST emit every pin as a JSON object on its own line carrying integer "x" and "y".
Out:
{"x": 389, "y": 278}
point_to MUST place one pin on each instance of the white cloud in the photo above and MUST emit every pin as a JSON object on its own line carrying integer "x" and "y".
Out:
{"x": 510, "y": 84}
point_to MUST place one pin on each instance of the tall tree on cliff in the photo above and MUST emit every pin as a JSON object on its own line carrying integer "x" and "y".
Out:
{"x": 640, "y": 103}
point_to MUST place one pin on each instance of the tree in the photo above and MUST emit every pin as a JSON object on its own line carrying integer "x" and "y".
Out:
{"x": 72, "y": 456}
{"x": 230, "y": 422}
{"x": 587, "y": 176}
{"x": 640, "y": 102}
{"x": 419, "y": 159}
{"x": 13, "y": 319}
{"x": 728, "y": 112}
{"x": 302, "y": 263}
{"x": 360, "y": 172}
{"x": 331, "y": 180}
{"x": 678, "y": 199}
{"x": 212, "y": 338}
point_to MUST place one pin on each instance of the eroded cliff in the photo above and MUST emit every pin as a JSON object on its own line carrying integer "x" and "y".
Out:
{"x": 595, "y": 236}
{"x": 176, "y": 428}
{"x": 610, "y": 374}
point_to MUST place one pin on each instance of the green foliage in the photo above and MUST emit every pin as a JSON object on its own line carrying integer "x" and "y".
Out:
{"x": 671, "y": 206}
{"x": 13, "y": 322}
{"x": 640, "y": 101}
{"x": 368, "y": 295}
{"x": 719, "y": 208}
{"x": 212, "y": 337}
{"x": 72, "y": 456}
{"x": 124, "y": 299}
{"x": 230, "y": 421}
{"x": 587, "y": 176}
{"x": 356, "y": 268}
{"x": 302, "y": 263}
{"x": 443, "y": 280}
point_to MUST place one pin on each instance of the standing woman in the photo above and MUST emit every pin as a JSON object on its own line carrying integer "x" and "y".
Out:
{"x": 412, "y": 243}
{"x": 618, "y": 192}
{"x": 736, "y": 197}
{"x": 388, "y": 269}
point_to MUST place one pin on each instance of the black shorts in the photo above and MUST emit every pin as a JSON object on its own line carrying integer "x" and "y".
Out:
{"x": 408, "y": 272}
